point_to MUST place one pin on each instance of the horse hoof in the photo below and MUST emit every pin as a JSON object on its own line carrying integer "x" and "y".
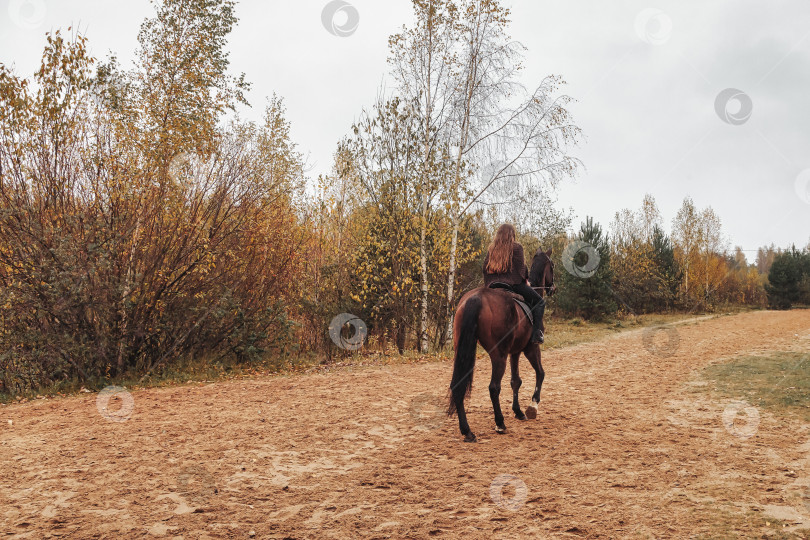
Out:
{"x": 499, "y": 429}
{"x": 531, "y": 412}
{"x": 470, "y": 437}
{"x": 520, "y": 416}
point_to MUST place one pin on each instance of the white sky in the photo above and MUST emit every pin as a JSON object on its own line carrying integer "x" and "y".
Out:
{"x": 647, "y": 110}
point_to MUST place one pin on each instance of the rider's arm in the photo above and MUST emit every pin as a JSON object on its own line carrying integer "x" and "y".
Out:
{"x": 520, "y": 262}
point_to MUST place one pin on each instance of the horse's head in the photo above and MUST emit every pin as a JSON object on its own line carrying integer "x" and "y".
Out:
{"x": 542, "y": 272}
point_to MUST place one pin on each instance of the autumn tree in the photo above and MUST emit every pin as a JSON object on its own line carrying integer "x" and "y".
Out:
{"x": 387, "y": 162}
{"x": 423, "y": 61}
{"x": 712, "y": 264}
{"x": 765, "y": 258}
{"x": 508, "y": 144}
{"x": 182, "y": 83}
{"x": 389, "y": 260}
{"x": 132, "y": 237}
{"x": 686, "y": 234}
{"x": 743, "y": 283}
{"x": 642, "y": 257}
{"x": 327, "y": 276}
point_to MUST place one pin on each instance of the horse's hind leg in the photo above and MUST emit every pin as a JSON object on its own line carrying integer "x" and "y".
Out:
{"x": 515, "y": 383}
{"x": 498, "y": 369}
{"x": 533, "y": 354}
{"x": 469, "y": 436}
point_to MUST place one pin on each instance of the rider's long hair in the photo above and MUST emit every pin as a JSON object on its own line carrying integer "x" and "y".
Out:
{"x": 500, "y": 250}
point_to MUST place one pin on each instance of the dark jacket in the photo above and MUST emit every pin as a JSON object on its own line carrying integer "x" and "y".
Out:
{"x": 517, "y": 273}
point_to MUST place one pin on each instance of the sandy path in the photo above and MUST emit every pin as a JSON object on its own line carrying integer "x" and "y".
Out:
{"x": 621, "y": 447}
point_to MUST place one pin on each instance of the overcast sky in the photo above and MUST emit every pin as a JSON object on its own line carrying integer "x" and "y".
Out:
{"x": 646, "y": 77}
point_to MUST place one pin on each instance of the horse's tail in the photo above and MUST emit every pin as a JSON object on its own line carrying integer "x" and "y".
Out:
{"x": 464, "y": 363}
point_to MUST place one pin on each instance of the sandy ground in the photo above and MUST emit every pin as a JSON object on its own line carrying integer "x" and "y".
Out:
{"x": 622, "y": 447}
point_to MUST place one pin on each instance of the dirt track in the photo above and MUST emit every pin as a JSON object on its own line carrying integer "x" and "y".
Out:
{"x": 621, "y": 447}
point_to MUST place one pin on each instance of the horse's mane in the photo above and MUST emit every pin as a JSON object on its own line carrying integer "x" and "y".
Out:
{"x": 539, "y": 262}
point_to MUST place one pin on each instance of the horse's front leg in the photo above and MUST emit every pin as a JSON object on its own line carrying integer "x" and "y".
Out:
{"x": 515, "y": 383}
{"x": 533, "y": 354}
{"x": 498, "y": 369}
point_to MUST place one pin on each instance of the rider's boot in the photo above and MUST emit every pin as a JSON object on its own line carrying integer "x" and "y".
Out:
{"x": 539, "y": 329}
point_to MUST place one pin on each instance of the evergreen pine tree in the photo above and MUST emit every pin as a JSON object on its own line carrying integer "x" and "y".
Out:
{"x": 784, "y": 279}
{"x": 586, "y": 291}
{"x": 804, "y": 283}
{"x": 667, "y": 265}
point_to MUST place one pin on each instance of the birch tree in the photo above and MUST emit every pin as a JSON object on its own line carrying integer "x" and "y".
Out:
{"x": 387, "y": 156}
{"x": 425, "y": 64}
{"x": 711, "y": 245}
{"x": 698, "y": 237}
{"x": 509, "y": 138}
{"x": 686, "y": 234}
{"x": 461, "y": 65}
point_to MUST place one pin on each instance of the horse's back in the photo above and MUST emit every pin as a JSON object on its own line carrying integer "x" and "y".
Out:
{"x": 498, "y": 319}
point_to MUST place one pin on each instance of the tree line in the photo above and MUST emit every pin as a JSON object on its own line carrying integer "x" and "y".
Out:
{"x": 639, "y": 268}
{"x": 143, "y": 222}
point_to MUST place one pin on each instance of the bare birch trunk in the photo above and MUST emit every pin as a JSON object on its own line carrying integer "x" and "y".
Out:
{"x": 451, "y": 280}
{"x": 423, "y": 337}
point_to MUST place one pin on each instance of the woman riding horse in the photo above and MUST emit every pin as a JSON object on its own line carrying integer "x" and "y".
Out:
{"x": 504, "y": 263}
{"x": 491, "y": 317}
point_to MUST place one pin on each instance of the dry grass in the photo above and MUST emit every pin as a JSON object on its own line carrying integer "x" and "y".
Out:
{"x": 779, "y": 382}
{"x": 567, "y": 332}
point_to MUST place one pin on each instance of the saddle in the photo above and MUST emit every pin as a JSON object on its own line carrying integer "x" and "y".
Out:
{"x": 516, "y": 297}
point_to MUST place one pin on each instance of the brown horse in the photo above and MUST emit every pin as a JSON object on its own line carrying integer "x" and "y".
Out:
{"x": 493, "y": 318}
